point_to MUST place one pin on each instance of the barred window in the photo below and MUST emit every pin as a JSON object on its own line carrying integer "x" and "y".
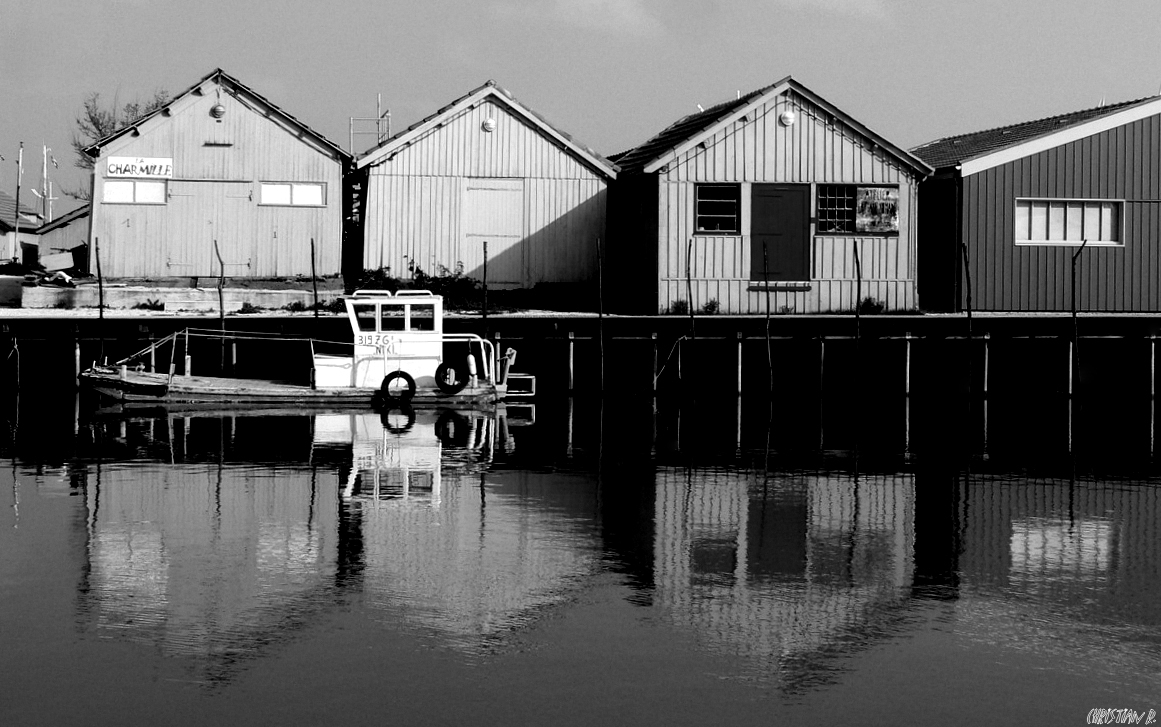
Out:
{"x": 836, "y": 208}
{"x": 1068, "y": 222}
{"x": 718, "y": 208}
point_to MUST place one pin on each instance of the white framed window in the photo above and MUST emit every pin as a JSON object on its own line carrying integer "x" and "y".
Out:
{"x": 134, "y": 191}
{"x": 292, "y": 194}
{"x": 718, "y": 208}
{"x": 1069, "y": 221}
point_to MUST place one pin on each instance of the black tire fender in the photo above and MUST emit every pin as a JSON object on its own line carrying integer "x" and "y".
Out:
{"x": 385, "y": 394}
{"x": 441, "y": 381}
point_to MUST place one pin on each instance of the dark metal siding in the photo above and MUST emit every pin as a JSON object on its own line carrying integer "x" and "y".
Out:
{"x": 1119, "y": 164}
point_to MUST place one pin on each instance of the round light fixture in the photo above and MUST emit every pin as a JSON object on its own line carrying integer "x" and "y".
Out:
{"x": 787, "y": 117}
{"x": 217, "y": 111}
{"x": 489, "y": 125}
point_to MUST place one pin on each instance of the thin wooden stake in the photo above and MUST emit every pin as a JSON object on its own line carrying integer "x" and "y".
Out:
{"x": 313, "y": 277}
{"x": 601, "y": 311}
{"x": 739, "y": 363}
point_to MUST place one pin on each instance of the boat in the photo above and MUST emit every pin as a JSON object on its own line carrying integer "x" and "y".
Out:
{"x": 400, "y": 355}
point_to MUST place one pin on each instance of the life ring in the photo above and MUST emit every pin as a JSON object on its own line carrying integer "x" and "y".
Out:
{"x": 391, "y": 426}
{"x": 441, "y": 380}
{"x": 387, "y": 397}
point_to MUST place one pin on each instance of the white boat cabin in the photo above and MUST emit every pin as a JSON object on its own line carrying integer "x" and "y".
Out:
{"x": 401, "y": 332}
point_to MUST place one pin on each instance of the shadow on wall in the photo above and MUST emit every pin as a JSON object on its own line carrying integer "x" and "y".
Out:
{"x": 564, "y": 251}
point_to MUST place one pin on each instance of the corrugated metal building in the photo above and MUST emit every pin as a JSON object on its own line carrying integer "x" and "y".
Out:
{"x": 218, "y": 163}
{"x": 485, "y": 169}
{"x": 765, "y": 200}
{"x": 1008, "y": 208}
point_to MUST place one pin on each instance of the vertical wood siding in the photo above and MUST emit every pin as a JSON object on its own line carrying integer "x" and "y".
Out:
{"x": 215, "y": 194}
{"x": 1119, "y": 164}
{"x": 814, "y": 150}
{"x": 415, "y": 211}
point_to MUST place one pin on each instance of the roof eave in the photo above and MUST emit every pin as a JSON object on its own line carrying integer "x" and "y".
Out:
{"x": 385, "y": 150}
{"x": 94, "y": 149}
{"x": 780, "y": 87}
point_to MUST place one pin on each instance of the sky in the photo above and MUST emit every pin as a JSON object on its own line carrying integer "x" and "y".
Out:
{"x": 611, "y": 73}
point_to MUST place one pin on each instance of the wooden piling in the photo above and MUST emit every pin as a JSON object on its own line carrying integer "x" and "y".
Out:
{"x": 907, "y": 364}
{"x": 653, "y": 336}
{"x": 739, "y": 363}
{"x": 571, "y": 346}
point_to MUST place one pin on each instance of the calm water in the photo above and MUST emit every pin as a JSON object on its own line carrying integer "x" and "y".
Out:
{"x": 578, "y": 564}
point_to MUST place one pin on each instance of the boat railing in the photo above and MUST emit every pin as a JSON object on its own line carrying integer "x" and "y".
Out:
{"x": 150, "y": 352}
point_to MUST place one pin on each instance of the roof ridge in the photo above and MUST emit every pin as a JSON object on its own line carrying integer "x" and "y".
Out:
{"x": 992, "y": 130}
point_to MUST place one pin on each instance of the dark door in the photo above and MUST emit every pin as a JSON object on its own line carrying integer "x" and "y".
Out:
{"x": 780, "y": 232}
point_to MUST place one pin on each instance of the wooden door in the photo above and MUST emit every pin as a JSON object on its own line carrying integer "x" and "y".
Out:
{"x": 493, "y": 212}
{"x": 202, "y": 212}
{"x": 780, "y": 232}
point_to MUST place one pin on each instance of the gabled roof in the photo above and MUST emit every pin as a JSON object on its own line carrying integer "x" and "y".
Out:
{"x": 238, "y": 89}
{"x": 488, "y": 91}
{"x": 981, "y": 150}
{"x": 8, "y": 214}
{"x": 688, "y": 132}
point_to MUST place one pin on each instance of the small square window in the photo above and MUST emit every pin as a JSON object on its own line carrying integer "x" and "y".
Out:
{"x": 718, "y": 208}
{"x": 118, "y": 191}
{"x": 307, "y": 194}
{"x": 275, "y": 193}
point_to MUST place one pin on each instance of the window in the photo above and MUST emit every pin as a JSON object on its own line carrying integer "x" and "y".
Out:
{"x": 365, "y": 316}
{"x": 291, "y": 194}
{"x": 422, "y": 317}
{"x": 836, "y": 208}
{"x": 1068, "y": 221}
{"x": 134, "y": 191}
{"x": 848, "y": 209}
{"x": 718, "y": 208}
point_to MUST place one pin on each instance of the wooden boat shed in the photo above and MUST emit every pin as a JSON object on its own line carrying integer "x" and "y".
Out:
{"x": 485, "y": 169}
{"x": 1013, "y": 213}
{"x": 775, "y": 200}
{"x": 218, "y": 180}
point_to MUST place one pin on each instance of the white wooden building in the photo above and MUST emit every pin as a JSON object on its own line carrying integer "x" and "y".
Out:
{"x": 774, "y": 199}
{"x": 218, "y": 171}
{"x": 485, "y": 169}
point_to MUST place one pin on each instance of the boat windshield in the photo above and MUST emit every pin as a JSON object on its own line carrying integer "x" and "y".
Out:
{"x": 364, "y": 316}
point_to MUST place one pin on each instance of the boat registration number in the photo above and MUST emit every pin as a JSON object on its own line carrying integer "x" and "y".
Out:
{"x": 383, "y": 341}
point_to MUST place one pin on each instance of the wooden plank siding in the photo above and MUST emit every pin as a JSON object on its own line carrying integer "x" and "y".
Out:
{"x": 1119, "y": 164}
{"x": 816, "y": 149}
{"x": 214, "y": 160}
{"x": 414, "y": 199}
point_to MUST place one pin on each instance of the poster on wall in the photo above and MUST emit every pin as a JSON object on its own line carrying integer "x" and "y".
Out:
{"x": 877, "y": 209}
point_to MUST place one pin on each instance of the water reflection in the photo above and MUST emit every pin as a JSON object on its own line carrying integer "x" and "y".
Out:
{"x": 783, "y": 571}
{"x": 216, "y": 538}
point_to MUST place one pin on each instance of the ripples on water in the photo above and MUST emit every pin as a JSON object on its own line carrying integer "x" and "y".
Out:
{"x": 544, "y": 551}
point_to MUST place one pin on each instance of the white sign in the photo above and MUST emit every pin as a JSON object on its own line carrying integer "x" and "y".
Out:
{"x": 155, "y": 167}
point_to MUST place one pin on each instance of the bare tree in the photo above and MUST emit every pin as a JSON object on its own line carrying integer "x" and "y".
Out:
{"x": 97, "y": 121}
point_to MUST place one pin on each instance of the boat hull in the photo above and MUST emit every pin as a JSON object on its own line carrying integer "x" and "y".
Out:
{"x": 152, "y": 388}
